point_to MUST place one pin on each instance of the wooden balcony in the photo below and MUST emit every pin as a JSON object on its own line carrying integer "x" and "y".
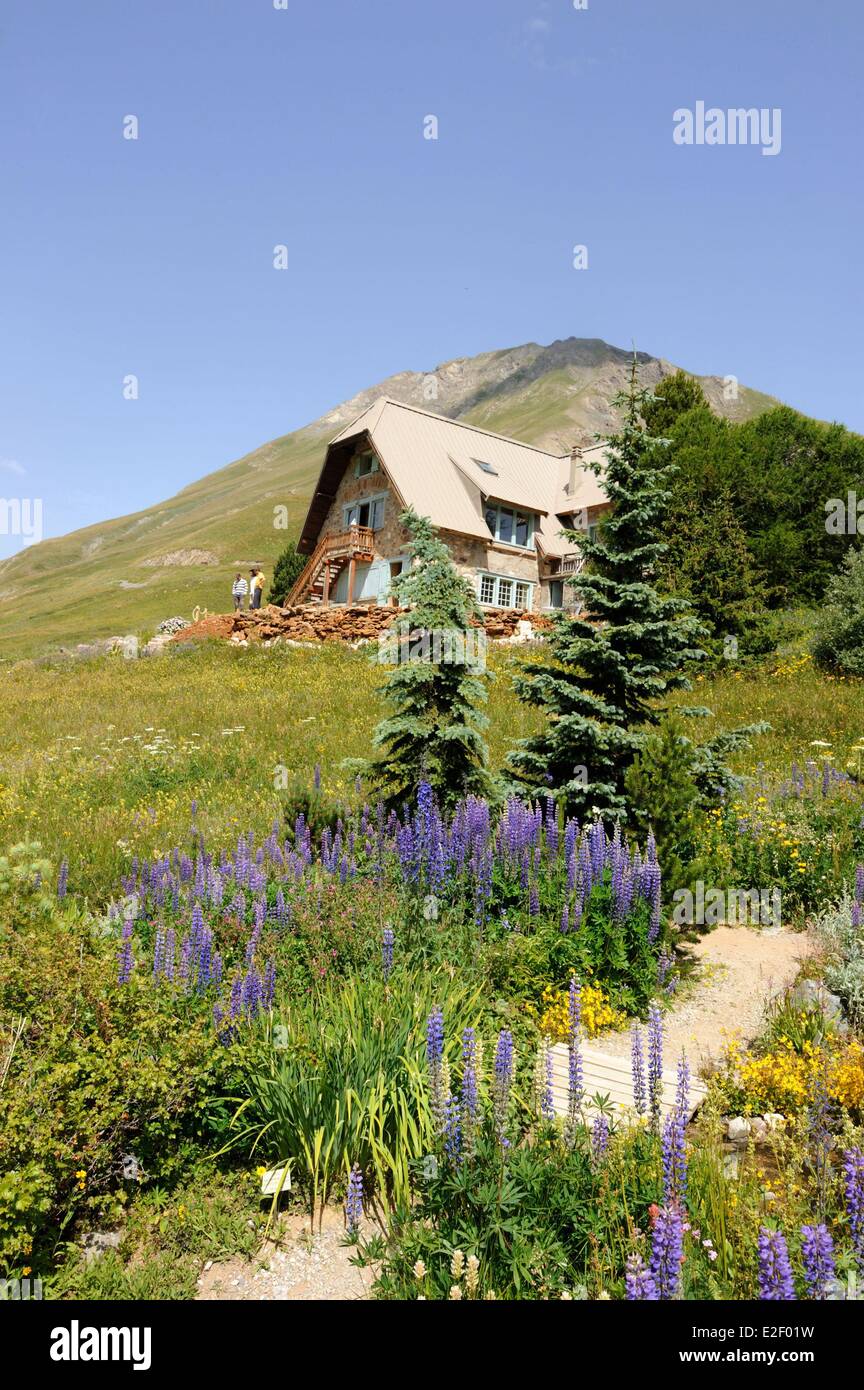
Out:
{"x": 330, "y": 555}
{"x": 572, "y": 563}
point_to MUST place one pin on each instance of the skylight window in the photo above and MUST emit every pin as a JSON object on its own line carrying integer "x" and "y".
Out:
{"x": 487, "y": 467}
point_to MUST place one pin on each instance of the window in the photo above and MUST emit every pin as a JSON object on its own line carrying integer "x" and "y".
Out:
{"x": 499, "y": 591}
{"x": 364, "y": 465}
{"x": 556, "y": 593}
{"x": 509, "y": 526}
{"x": 369, "y": 513}
{"x": 487, "y": 467}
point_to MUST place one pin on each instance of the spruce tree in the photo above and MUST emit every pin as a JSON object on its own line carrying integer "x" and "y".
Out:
{"x": 286, "y": 572}
{"x": 612, "y": 666}
{"x": 438, "y": 678}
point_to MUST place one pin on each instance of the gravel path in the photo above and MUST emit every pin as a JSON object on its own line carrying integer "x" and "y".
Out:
{"x": 741, "y": 970}
{"x": 297, "y": 1266}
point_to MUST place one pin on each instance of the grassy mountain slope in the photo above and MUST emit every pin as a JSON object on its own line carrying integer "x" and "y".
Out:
{"x": 127, "y": 574}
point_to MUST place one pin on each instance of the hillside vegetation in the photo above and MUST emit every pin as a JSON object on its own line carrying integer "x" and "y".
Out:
{"x": 103, "y": 580}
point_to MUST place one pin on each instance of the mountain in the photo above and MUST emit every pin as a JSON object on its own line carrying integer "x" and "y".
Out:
{"x": 127, "y": 574}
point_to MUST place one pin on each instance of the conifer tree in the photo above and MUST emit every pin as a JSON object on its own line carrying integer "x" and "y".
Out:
{"x": 287, "y": 570}
{"x": 434, "y": 732}
{"x": 612, "y": 666}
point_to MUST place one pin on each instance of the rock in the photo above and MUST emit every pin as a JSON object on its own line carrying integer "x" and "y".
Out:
{"x": 738, "y": 1130}
{"x": 731, "y": 1164}
{"x": 96, "y": 1243}
{"x": 759, "y": 1130}
{"x": 156, "y": 645}
{"x": 773, "y": 1121}
{"x": 129, "y": 647}
{"x": 812, "y": 994}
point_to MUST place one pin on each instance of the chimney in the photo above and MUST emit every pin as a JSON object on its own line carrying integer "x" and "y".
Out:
{"x": 577, "y": 469}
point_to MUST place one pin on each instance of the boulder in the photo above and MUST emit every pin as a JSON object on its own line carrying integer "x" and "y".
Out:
{"x": 738, "y": 1130}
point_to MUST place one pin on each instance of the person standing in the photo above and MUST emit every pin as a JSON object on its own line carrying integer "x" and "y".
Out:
{"x": 257, "y": 587}
{"x": 239, "y": 589}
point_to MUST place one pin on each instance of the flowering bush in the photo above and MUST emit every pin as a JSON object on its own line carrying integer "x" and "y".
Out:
{"x": 784, "y": 1079}
{"x": 598, "y": 1015}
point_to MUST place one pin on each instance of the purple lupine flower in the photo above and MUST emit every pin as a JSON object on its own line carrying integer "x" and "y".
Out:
{"x": 853, "y": 1182}
{"x": 268, "y": 989}
{"x": 387, "y": 941}
{"x": 655, "y": 1065}
{"x": 204, "y": 960}
{"x": 434, "y": 1062}
{"x": 503, "y": 1079}
{"x": 547, "y": 1095}
{"x": 468, "y": 1099}
{"x": 565, "y": 918}
{"x": 574, "y": 1058}
{"x": 667, "y": 1251}
{"x": 674, "y": 1160}
{"x": 534, "y": 901}
{"x": 158, "y": 954}
{"x": 639, "y": 1281}
{"x": 170, "y": 952}
{"x": 637, "y": 1069}
{"x": 63, "y": 879}
{"x": 354, "y": 1200}
{"x": 775, "y": 1271}
{"x": 236, "y": 1004}
{"x": 817, "y": 1252}
{"x": 600, "y": 1137}
{"x": 124, "y": 956}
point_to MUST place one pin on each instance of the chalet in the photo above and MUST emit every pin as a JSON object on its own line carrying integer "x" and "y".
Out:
{"x": 499, "y": 505}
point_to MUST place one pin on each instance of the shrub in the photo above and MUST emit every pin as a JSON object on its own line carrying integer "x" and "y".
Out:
{"x": 838, "y": 646}
{"x": 286, "y": 572}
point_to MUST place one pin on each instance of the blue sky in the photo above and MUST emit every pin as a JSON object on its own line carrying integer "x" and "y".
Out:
{"x": 304, "y": 127}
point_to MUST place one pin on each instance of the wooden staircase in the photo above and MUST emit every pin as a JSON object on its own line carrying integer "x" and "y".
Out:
{"x": 317, "y": 580}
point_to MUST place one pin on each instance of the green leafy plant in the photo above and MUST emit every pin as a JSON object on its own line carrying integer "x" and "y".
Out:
{"x": 342, "y": 1081}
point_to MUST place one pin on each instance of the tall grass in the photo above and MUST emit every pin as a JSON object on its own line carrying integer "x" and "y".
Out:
{"x": 343, "y": 1081}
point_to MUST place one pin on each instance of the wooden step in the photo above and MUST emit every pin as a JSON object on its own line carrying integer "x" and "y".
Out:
{"x": 612, "y": 1077}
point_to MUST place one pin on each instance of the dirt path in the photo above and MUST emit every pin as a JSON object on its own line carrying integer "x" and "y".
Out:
{"x": 299, "y": 1266}
{"x": 741, "y": 970}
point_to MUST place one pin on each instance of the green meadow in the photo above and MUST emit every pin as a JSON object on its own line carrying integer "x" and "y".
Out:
{"x": 102, "y": 759}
